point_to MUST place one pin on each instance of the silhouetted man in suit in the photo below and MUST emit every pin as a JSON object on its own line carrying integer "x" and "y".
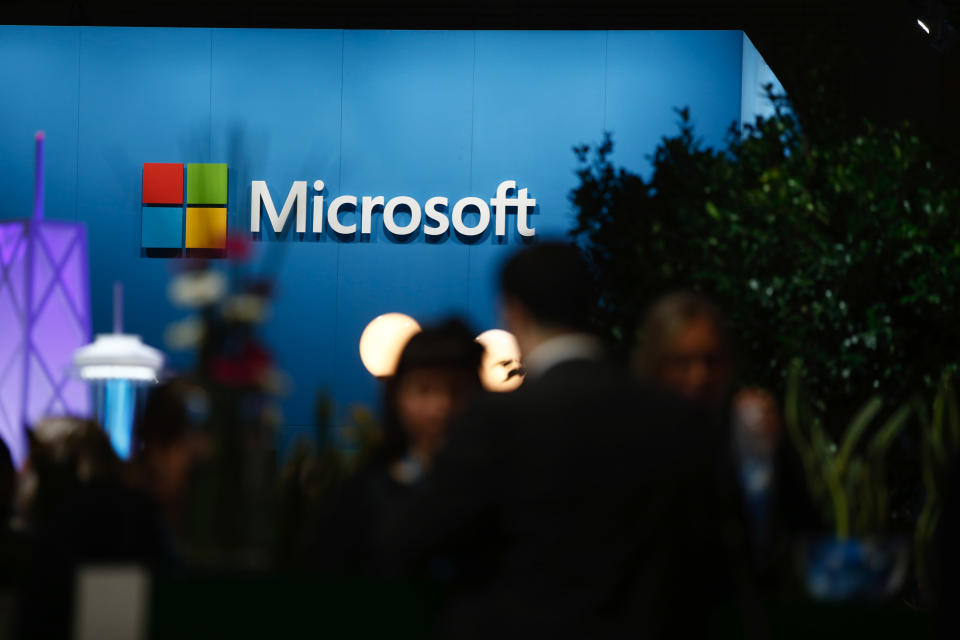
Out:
{"x": 575, "y": 506}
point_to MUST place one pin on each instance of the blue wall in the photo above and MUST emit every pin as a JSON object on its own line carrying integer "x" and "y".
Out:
{"x": 370, "y": 113}
{"x": 757, "y": 74}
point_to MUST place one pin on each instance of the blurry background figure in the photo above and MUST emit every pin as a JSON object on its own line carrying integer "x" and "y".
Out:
{"x": 8, "y": 480}
{"x": 81, "y": 513}
{"x": 685, "y": 347}
{"x": 12, "y": 566}
{"x": 756, "y": 439}
{"x": 167, "y": 442}
{"x": 436, "y": 377}
{"x": 68, "y": 457}
{"x": 574, "y": 506}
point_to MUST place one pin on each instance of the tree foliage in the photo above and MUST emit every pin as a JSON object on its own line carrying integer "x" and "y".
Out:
{"x": 841, "y": 246}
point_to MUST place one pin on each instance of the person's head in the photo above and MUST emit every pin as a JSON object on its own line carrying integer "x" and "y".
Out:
{"x": 545, "y": 290}
{"x": 436, "y": 376}
{"x": 67, "y": 453}
{"x": 684, "y": 347}
{"x": 166, "y": 435}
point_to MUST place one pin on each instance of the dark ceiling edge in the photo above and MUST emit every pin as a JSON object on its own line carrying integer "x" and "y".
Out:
{"x": 891, "y": 73}
{"x": 292, "y": 14}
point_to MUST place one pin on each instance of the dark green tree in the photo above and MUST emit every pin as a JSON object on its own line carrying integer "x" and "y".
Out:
{"x": 837, "y": 244}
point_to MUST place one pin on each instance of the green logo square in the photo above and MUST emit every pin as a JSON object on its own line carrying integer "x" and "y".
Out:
{"x": 207, "y": 183}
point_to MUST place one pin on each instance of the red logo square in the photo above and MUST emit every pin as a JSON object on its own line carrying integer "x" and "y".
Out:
{"x": 162, "y": 183}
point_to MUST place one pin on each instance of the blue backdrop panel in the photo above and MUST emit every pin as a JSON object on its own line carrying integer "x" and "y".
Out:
{"x": 371, "y": 113}
{"x": 38, "y": 91}
{"x": 651, "y": 73}
{"x": 538, "y": 94}
{"x": 406, "y": 131}
{"x": 144, "y": 97}
{"x": 275, "y": 105}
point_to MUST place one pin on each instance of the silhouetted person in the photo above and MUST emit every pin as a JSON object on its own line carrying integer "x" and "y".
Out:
{"x": 574, "y": 506}
{"x": 81, "y": 514}
{"x": 8, "y": 480}
{"x": 168, "y": 441}
{"x": 437, "y": 375}
{"x": 685, "y": 348}
{"x": 11, "y": 544}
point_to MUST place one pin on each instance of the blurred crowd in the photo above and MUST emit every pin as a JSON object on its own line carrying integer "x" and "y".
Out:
{"x": 605, "y": 497}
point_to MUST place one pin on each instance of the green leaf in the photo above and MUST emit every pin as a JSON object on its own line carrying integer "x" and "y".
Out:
{"x": 856, "y": 429}
{"x": 712, "y": 210}
{"x": 792, "y": 408}
{"x": 920, "y": 409}
{"x": 886, "y": 435}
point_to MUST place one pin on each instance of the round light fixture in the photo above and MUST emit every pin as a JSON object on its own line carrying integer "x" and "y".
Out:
{"x": 383, "y": 341}
{"x": 500, "y": 369}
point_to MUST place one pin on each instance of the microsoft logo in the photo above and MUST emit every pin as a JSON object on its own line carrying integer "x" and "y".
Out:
{"x": 166, "y": 224}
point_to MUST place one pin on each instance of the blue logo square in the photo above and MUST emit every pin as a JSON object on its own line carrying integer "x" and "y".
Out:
{"x": 161, "y": 228}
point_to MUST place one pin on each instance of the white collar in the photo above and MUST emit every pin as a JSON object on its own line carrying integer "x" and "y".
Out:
{"x": 553, "y": 351}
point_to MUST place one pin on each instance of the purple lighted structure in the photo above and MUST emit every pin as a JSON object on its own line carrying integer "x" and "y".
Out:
{"x": 44, "y": 318}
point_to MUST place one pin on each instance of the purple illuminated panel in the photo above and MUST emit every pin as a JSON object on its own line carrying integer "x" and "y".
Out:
{"x": 44, "y": 318}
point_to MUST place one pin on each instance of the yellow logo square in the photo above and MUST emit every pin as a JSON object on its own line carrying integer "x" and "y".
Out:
{"x": 206, "y": 228}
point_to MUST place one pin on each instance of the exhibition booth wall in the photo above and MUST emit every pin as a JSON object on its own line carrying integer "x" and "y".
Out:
{"x": 419, "y": 114}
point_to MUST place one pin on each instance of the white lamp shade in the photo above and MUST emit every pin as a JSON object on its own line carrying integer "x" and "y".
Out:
{"x": 501, "y": 356}
{"x": 383, "y": 341}
{"x": 118, "y": 356}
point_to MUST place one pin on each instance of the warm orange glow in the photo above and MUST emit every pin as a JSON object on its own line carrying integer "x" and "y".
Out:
{"x": 383, "y": 341}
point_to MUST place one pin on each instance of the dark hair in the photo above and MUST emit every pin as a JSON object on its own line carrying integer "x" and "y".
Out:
{"x": 552, "y": 282}
{"x": 449, "y": 346}
{"x": 67, "y": 453}
{"x": 170, "y": 410}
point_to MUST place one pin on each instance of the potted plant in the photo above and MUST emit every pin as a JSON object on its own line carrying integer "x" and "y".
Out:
{"x": 818, "y": 233}
{"x": 939, "y": 446}
{"x": 848, "y": 483}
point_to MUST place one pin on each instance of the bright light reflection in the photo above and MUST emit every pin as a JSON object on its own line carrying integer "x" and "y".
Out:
{"x": 383, "y": 341}
{"x": 923, "y": 26}
{"x": 115, "y": 371}
{"x": 501, "y": 368}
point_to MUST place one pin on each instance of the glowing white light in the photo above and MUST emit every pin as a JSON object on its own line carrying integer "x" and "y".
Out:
{"x": 383, "y": 341}
{"x": 923, "y": 26}
{"x": 118, "y": 356}
{"x": 500, "y": 367}
{"x": 118, "y": 372}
